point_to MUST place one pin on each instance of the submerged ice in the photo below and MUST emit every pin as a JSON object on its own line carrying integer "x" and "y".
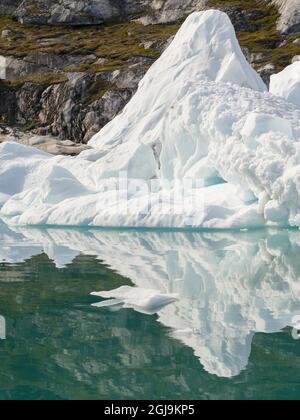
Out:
{"x": 201, "y": 128}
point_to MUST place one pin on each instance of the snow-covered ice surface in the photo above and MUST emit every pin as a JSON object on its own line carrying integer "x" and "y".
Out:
{"x": 214, "y": 291}
{"x": 217, "y": 149}
{"x": 287, "y": 83}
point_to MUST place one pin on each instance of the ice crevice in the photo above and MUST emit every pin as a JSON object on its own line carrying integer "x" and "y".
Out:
{"x": 201, "y": 117}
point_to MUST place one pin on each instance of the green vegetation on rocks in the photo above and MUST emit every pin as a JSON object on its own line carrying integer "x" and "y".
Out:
{"x": 115, "y": 41}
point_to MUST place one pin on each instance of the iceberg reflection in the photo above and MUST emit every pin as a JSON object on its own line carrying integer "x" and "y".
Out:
{"x": 213, "y": 290}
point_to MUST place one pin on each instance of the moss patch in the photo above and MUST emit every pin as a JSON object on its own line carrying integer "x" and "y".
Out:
{"x": 117, "y": 43}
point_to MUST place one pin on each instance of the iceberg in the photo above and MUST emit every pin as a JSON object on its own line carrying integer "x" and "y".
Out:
{"x": 142, "y": 300}
{"x": 287, "y": 83}
{"x": 202, "y": 144}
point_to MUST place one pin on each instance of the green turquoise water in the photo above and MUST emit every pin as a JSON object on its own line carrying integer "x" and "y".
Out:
{"x": 58, "y": 346}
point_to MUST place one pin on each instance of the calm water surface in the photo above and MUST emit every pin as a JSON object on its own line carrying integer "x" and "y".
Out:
{"x": 226, "y": 336}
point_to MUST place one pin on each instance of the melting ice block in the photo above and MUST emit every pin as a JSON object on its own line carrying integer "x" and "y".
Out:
{"x": 201, "y": 144}
{"x": 287, "y": 83}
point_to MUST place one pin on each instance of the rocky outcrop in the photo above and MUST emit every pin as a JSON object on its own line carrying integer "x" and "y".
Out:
{"x": 167, "y": 11}
{"x": 9, "y": 7}
{"x": 91, "y": 12}
{"x": 70, "y": 110}
{"x": 48, "y": 144}
{"x": 67, "y": 11}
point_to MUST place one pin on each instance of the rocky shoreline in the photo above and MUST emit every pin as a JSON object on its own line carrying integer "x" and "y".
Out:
{"x": 49, "y": 144}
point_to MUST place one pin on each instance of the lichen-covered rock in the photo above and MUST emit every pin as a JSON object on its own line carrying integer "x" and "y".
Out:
{"x": 47, "y": 144}
{"x": 90, "y": 12}
{"x": 67, "y": 11}
{"x": 166, "y": 11}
